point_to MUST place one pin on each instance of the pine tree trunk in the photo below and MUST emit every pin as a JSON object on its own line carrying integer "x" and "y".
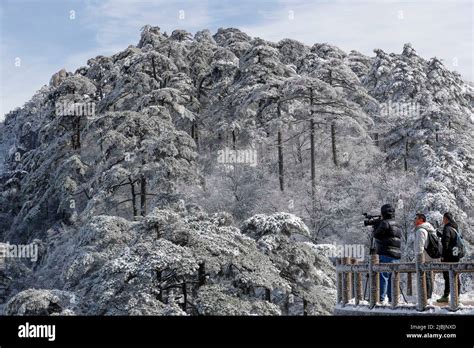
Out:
{"x": 185, "y": 296}
{"x": 202, "y": 274}
{"x": 73, "y": 141}
{"x": 333, "y": 140}
{"x": 280, "y": 162}
{"x": 313, "y": 159}
{"x": 299, "y": 152}
{"x": 313, "y": 171}
{"x": 280, "y": 154}
{"x": 143, "y": 196}
{"x": 101, "y": 143}
{"x": 305, "y": 307}
{"x": 194, "y": 134}
{"x": 158, "y": 279}
{"x": 406, "y": 155}
{"x": 268, "y": 295}
{"x": 154, "y": 71}
{"x": 313, "y": 150}
{"x": 134, "y": 197}
{"x": 286, "y": 306}
{"x": 234, "y": 139}
{"x": 76, "y": 137}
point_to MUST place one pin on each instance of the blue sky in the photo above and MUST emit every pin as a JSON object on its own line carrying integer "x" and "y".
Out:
{"x": 44, "y": 36}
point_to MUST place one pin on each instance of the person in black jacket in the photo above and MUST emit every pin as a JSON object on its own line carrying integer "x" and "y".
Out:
{"x": 387, "y": 237}
{"x": 448, "y": 240}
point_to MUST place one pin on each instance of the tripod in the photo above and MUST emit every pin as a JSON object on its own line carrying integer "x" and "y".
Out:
{"x": 372, "y": 252}
{"x": 365, "y": 289}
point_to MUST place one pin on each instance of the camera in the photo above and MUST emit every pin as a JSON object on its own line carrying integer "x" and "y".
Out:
{"x": 372, "y": 220}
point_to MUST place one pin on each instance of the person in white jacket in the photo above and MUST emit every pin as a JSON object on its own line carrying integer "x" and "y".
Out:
{"x": 422, "y": 228}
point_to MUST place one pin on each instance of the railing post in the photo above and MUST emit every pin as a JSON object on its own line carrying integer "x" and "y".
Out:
{"x": 453, "y": 289}
{"x": 420, "y": 283}
{"x": 395, "y": 288}
{"x": 345, "y": 284}
{"x": 357, "y": 277}
{"x": 373, "y": 281}
{"x": 352, "y": 293}
{"x": 431, "y": 274}
{"x": 432, "y": 277}
{"x": 348, "y": 261}
{"x": 409, "y": 284}
{"x": 338, "y": 281}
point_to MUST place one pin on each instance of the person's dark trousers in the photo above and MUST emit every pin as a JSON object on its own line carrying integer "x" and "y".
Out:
{"x": 429, "y": 285}
{"x": 447, "y": 289}
{"x": 386, "y": 279}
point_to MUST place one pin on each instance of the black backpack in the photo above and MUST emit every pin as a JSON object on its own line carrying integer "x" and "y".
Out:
{"x": 434, "y": 247}
{"x": 458, "y": 249}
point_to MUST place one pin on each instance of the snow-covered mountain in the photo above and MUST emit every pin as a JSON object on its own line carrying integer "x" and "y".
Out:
{"x": 194, "y": 174}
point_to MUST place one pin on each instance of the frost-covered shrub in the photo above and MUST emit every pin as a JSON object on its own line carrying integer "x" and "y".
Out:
{"x": 42, "y": 302}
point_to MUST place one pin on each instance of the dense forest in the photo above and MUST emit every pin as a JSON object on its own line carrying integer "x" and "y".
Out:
{"x": 208, "y": 174}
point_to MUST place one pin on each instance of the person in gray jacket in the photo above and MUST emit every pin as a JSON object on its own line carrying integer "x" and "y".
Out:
{"x": 422, "y": 228}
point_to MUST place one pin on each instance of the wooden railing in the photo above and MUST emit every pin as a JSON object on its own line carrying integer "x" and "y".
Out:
{"x": 349, "y": 279}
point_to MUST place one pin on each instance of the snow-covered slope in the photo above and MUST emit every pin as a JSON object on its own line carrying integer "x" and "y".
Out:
{"x": 152, "y": 176}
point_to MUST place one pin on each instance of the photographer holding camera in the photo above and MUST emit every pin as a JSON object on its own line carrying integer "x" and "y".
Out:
{"x": 387, "y": 237}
